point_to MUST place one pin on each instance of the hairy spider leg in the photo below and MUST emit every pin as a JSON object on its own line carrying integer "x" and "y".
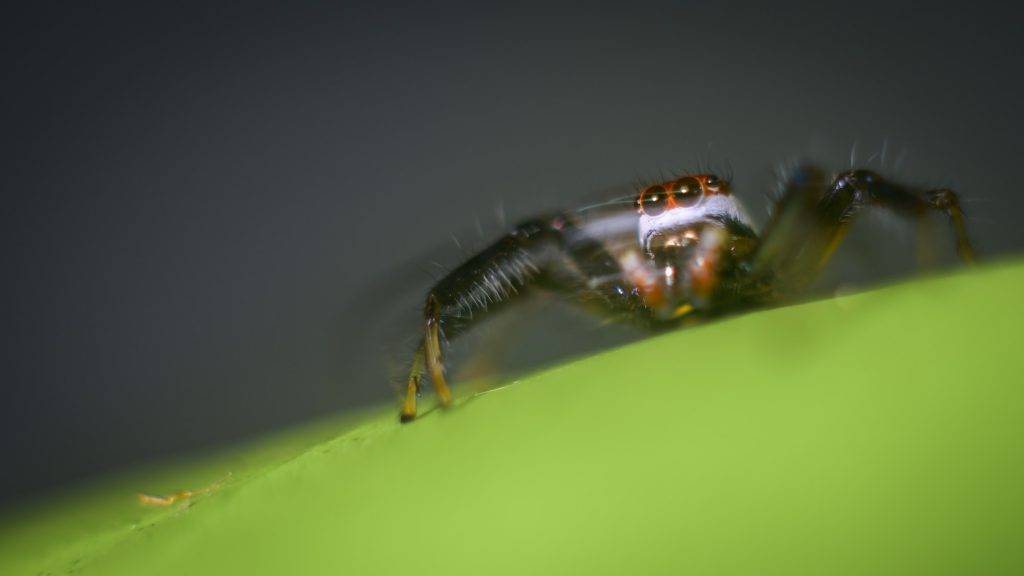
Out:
{"x": 813, "y": 215}
{"x": 548, "y": 254}
{"x": 483, "y": 284}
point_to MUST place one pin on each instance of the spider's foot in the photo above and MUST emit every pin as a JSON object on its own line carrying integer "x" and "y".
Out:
{"x": 444, "y": 397}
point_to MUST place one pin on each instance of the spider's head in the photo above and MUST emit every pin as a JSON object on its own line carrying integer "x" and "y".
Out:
{"x": 673, "y": 213}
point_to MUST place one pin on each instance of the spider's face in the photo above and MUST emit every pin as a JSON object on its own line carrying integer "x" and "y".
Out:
{"x": 673, "y": 213}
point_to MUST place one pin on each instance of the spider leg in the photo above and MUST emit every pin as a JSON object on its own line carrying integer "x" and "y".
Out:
{"x": 949, "y": 202}
{"x": 432, "y": 350}
{"x": 412, "y": 387}
{"x": 483, "y": 284}
{"x": 815, "y": 212}
{"x": 548, "y": 254}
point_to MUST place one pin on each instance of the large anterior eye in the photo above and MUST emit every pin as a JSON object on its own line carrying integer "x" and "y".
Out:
{"x": 686, "y": 191}
{"x": 653, "y": 200}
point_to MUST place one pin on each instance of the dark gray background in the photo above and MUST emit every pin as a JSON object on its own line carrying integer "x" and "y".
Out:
{"x": 204, "y": 208}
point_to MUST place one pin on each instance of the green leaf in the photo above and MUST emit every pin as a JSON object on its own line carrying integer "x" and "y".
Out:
{"x": 873, "y": 433}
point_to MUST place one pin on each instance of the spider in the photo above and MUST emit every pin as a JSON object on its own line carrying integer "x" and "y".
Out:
{"x": 676, "y": 252}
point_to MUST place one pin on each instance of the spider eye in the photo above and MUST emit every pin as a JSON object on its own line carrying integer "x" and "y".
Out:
{"x": 653, "y": 200}
{"x": 711, "y": 180}
{"x": 686, "y": 192}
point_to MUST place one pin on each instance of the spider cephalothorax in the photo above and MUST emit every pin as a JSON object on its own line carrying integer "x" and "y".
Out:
{"x": 681, "y": 227}
{"x": 670, "y": 209}
{"x": 681, "y": 249}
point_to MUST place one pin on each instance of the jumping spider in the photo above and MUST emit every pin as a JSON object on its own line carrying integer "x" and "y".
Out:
{"x": 676, "y": 251}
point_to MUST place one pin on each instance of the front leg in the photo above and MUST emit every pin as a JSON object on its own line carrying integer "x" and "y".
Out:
{"x": 548, "y": 254}
{"x": 429, "y": 354}
{"x": 856, "y": 188}
{"x": 814, "y": 214}
{"x": 485, "y": 283}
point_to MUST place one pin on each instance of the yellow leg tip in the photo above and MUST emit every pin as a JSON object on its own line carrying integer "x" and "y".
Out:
{"x": 408, "y": 413}
{"x": 444, "y": 396}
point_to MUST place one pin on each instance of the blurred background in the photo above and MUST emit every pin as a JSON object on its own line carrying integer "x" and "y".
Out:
{"x": 211, "y": 211}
